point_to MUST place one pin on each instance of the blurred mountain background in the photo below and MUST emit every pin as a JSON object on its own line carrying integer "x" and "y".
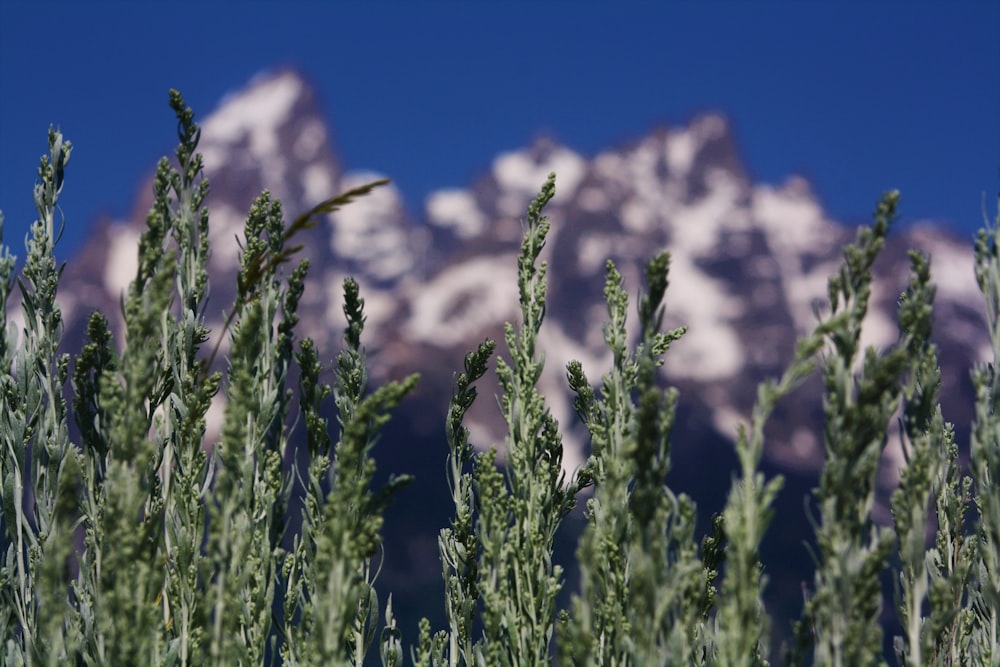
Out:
{"x": 785, "y": 126}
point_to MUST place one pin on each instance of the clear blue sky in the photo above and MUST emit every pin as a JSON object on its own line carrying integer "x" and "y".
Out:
{"x": 858, "y": 97}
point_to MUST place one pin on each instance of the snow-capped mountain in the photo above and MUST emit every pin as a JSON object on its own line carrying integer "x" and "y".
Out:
{"x": 749, "y": 262}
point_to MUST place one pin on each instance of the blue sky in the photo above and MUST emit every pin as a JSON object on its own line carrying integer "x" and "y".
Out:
{"x": 858, "y": 97}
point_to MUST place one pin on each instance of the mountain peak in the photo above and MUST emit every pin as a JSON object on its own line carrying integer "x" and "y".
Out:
{"x": 253, "y": 118}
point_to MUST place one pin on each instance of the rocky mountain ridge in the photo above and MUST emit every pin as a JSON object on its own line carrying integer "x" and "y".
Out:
{"x": 749, "y": 268}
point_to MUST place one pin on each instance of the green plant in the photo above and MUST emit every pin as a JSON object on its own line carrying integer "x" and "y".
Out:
{"x": 146, "y": 543}
{"x": 985, "y": 597}
{"x": 646, "y": 594}
{"x": 41, "y": 469}
{"x": 182, "y": 554}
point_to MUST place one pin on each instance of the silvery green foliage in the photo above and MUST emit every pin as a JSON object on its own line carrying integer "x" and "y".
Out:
{"x": 841, "y": 619}
{"x": 937, "y": 576}
{"x": 141, "y": 415}
{"x": 520, "y": 507}
{"x": 39, "y": 467}
{"x": 741, "y": 631}
{"x": 985, "y": 597}
{"x": 249, "y": 494}
{"x": 497, "y": 554}
{"x": 645, "y": 593}
{"x": 181, "y": 552}
{"x": 459, "y": 544}
{"x": 144, "y": 544}
{"x": 330, "y": 575}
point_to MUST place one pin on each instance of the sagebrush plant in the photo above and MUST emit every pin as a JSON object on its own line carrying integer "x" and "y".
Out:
{"x": 645, "y": 592}
{"x": 146, "y": 542}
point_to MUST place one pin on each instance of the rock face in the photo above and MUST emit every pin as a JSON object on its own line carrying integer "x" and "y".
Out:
{"x": 749, "y": 263}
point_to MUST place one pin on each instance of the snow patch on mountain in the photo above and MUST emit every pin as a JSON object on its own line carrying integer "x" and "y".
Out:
{"x": 709, "y": 127}
{"x": 520, "y": 174}
{"x": 318, "y": 182}
{"x": 711, "y": 350}
{"x": 225, "y": 234}
{"x": 369, "y": 230}
{"x": 640, "y": 217}
{"x": 457, "y": 210}
{"x": 463, "y": 301}
{"x": 727, "y": 420}
{"x": 802, "y": 451}
{"x": 651, "y": 177}
{"x": 683, "y": 146}
{"x": 123, "y": 258}
{"x": 700, "y": 225}
{"x": 681, "y": 149}
{"x": 15, "y": 323}
{"x": 795, "y": 226}
{"x": 593, "y": 250}
{"x": 793, "y": 217}
{"x": 215, "y": 417}
{"x": 520, "y": 171}
{"x": 252, "y": 116}
{"x": 642, "y": 172}
{"x": 951, "y": 270}
{"x": 612, "y": 168}
{"x": 311, "y": 139}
